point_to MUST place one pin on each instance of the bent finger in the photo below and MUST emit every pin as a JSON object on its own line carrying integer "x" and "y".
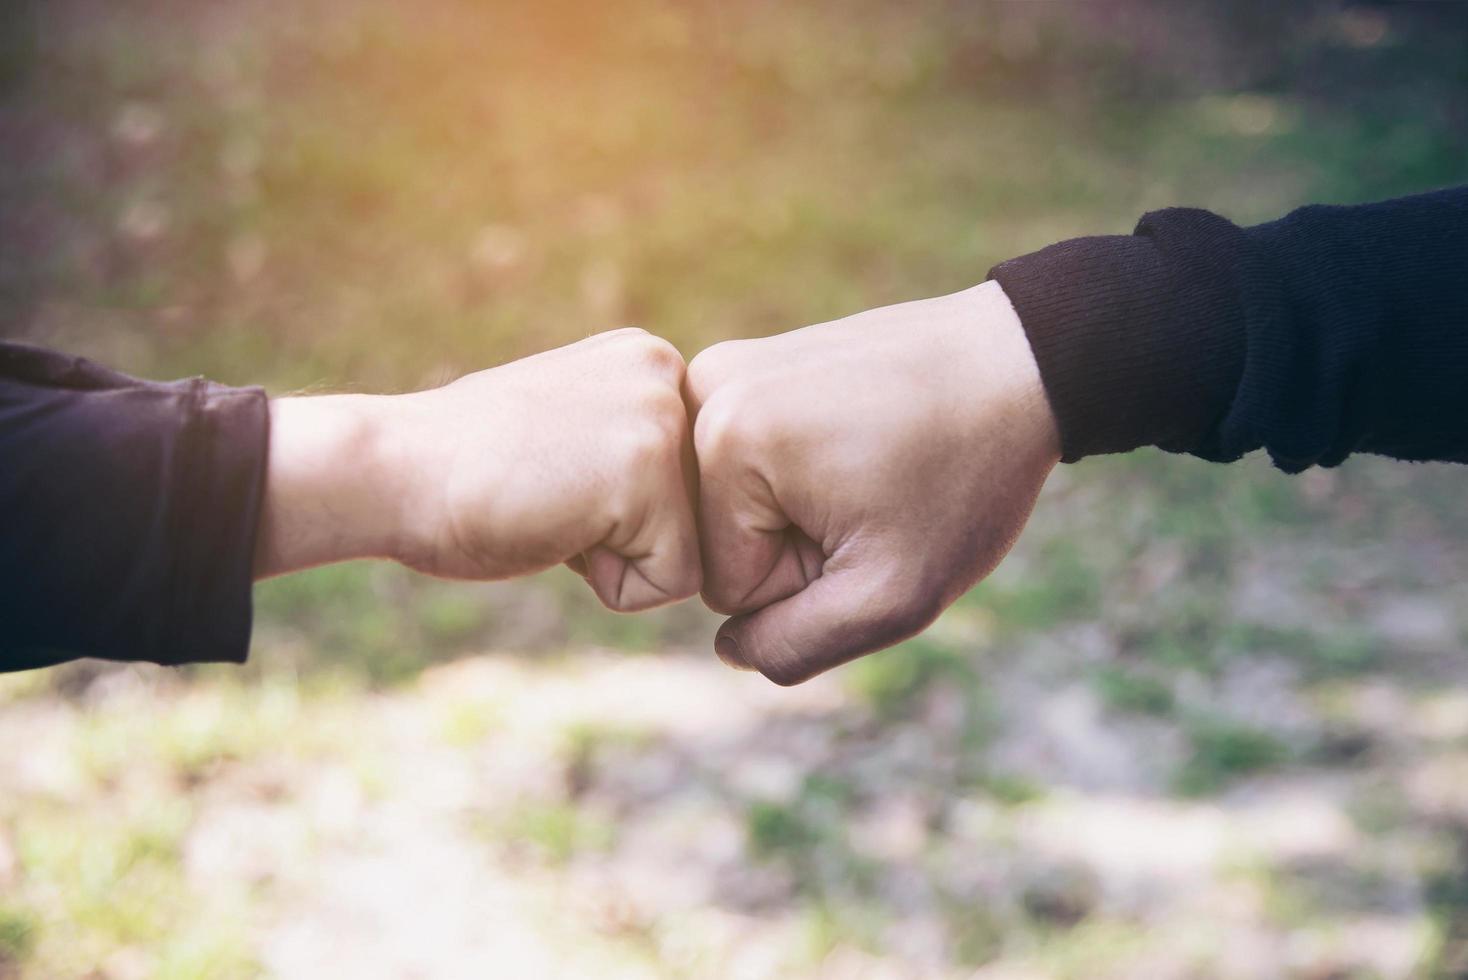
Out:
{"x": 840, "y": 616}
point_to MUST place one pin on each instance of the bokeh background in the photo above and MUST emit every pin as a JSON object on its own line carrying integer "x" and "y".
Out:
{"x": 1205, "y": 722}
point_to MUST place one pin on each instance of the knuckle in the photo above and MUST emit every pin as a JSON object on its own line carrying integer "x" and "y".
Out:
{"x": 653, "y": 442}
{"x": 723, "y": 424}
{"x": 655, "y": 352}
{"x": 658, "y": 427}
{"x": 707, "y": 369}
{"x": 665, "y": 410}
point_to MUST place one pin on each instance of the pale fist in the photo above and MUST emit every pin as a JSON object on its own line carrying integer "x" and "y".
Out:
{"x": 577, "y": 455}
{"x": 857, "y": 476}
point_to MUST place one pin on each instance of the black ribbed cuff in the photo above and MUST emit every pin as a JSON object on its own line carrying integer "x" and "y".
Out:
{"x": 1139, "y": 339}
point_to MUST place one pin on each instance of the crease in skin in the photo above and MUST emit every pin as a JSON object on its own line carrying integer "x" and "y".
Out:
{"x": 630, "y": 562}
{"x": 770, "y": 496}
{"x": 646, "y": 578}
{"x": 630, "y": 559}
{"x": 811, "y": 573}
{"x": 788, "y": 543}
{"x": 609, "y": 586}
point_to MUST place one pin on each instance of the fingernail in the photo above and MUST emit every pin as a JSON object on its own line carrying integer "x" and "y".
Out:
{"x": 728, "y": 651}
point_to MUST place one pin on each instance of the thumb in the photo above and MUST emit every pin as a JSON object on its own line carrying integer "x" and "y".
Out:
{"x": 847, "y": 612}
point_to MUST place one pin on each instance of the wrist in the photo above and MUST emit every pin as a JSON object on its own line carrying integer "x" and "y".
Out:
{"x": 1011, "y": 378}
{"x": 337, "y": 482}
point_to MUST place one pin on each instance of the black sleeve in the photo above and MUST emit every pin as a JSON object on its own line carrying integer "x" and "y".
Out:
{"x": 1331, "y": 331}
{"x": 129, "y": 511}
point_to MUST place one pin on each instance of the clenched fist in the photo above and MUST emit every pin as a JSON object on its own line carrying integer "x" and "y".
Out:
{"x": 579, "y": 454}
{"x": 857, "y": 476}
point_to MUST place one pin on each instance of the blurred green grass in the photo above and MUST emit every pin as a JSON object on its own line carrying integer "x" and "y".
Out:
{"x": 327, "y": 195}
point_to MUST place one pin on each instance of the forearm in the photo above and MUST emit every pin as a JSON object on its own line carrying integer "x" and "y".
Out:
{"x": 337, "y": 482}
{"x": 1330, "y": 331}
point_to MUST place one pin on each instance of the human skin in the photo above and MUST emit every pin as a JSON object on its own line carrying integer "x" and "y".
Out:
{"x": 858, "y": 476}
{"x": 578, "y": 455}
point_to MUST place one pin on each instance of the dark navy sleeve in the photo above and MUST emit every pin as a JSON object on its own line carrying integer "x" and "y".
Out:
{"x": 129, "y": 513}
{"x": 1332, "y": 331}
